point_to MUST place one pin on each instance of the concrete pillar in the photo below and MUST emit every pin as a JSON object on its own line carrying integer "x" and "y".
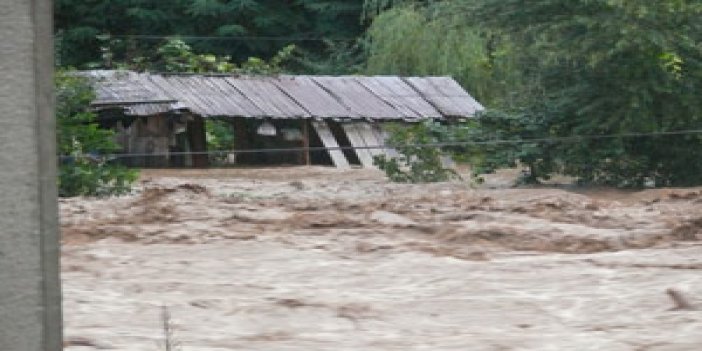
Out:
{"x": 30, "y": 301}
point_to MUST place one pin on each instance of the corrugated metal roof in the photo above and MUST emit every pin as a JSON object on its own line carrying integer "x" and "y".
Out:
{"x": 446, "y": 95}
{"x": 357, "y": 98}
{"x": 285, "y": 96}
{"x": 130, "y": 91}
{"x": 398, "y": 94}
{"x": 264, "y": 93}
{"x": 312, "y": 97}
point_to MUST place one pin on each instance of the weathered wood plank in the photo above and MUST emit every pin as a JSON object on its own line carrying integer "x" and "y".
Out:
{"x": 328, "y": 140}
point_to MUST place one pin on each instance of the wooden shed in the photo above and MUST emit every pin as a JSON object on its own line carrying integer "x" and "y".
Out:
{"x": 160, "y": 118}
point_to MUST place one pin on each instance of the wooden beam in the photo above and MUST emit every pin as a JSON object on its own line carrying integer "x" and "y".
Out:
{"x": 241, "y": 140}
{"x": 306, "y": 142}
{"x": 198, "y": 142}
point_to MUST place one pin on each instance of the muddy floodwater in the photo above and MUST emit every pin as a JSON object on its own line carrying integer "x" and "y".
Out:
{"x": 322, "y": 259}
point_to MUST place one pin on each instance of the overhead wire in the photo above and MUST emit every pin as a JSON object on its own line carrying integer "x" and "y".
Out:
{"x": 226, "y": 38}
{"x": 447, "y": 144}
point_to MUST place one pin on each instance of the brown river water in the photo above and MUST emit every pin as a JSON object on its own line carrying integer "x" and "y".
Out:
{"x": 322, "y": 259}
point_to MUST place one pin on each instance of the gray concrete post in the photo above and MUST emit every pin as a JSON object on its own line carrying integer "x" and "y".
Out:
{"x": 30, "y": 300}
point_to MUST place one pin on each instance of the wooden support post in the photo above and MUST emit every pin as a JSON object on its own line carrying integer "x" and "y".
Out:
{"x": 241, "y": 140}
{"x": 306, "y": 142}
{"x": 198, "y": 142}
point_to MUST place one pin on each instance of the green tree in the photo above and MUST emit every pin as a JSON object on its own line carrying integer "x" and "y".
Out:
{"x": 606, "y": 67}
{"x": 235, "y": 28}
{"x": 80, "y": 139}
{"x": 433, "y": 38}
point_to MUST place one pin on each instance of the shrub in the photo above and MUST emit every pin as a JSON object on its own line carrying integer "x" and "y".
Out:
{"x": 80, "y": 140}
{"x": 417, "y": 162}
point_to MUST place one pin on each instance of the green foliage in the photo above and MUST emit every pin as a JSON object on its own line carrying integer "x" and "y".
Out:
{"x": 273, "y": 66}
{"x": 80, "y": 22}
{"x": 416, "y": 163}
{"x": 85, "y": 177}
{"x": 79, "y": 137}
{"x": 498, "y": 140}
{"x": 372, "y": 8}
{"x": 336, "y": 58}
{"x": 558, "y": 69}
{"x": 175, "y": 56}
{"x": 436, "y": 40}
{"x": 607, "y": 67}
{"x": 219, "y": 135}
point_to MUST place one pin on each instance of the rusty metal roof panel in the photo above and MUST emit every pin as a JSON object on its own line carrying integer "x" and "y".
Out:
{"x": 401, "y": 96}
{"x": 446, "y": 95}
{"x": 357, "y": 98}
{"x": 312, "y": 97}
{"x": 265, "y": 94}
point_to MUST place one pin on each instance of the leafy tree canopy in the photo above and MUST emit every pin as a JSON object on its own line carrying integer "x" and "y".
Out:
{"x": 563, "y": 68}
{"x": 605, "y": 67}
{"x": 79, "y": 25}
{"x": 436, "y": 39}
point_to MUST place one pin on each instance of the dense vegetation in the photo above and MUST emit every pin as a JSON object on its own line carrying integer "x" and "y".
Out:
{"x": 415, "y": 163}
{"x": 79, "y": 141}
{"x": 236, "y": 28}
{"x": 608, "y": 67}
{"x": 554, "y": 74}
{"x": 554, "y": 69}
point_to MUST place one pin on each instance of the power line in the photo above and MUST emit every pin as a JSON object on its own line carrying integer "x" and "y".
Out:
{"x": 570, "y": 139}
{"x": 239, "y": 38}
{"x": 155, "y": 37}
